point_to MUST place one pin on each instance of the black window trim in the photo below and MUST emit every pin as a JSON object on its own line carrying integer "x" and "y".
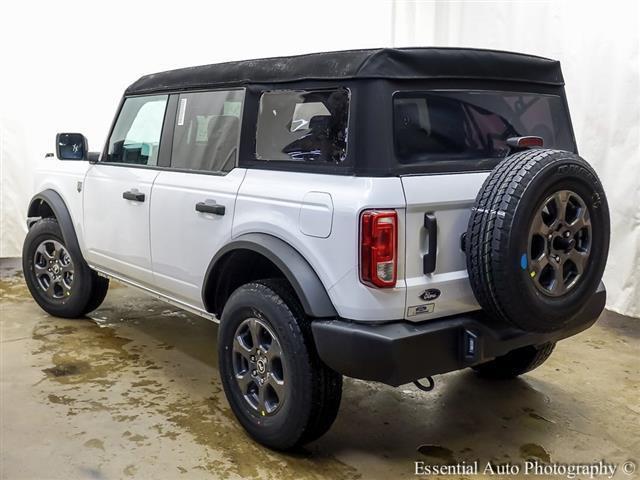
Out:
{"x": 383, "y": 162}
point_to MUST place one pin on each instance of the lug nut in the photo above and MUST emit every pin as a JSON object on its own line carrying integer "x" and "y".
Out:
{"x": 567, "y": 234}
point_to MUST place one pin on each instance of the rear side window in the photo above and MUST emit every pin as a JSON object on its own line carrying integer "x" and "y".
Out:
{"x": 306, "y": 126}
{"x": 136, "y": 135}
{"x": 207, "y": 131}
{"x": 471, "y": 125}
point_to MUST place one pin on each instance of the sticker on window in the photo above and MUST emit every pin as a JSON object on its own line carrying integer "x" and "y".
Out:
{"x": 181, "y": 112}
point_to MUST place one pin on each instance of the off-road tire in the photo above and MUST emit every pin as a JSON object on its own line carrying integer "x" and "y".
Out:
{"x": 88, "y": 290}
{"x": 516, "y": 362}
{"x": 498, "y": 236}
{"x": 315, "y": 390}
{"x": 98, "y": 293}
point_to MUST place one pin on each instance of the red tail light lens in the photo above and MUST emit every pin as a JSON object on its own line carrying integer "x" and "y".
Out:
{"x": 525, "y": 142}
{"x": 379, "y": 248}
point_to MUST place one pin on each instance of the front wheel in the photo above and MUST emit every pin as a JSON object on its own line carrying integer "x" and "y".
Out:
{"x": 59, "y": 280}
{"x": 276, "y": 385}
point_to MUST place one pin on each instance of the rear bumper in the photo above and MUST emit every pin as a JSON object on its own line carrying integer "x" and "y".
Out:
{"x": 400, "y": 352}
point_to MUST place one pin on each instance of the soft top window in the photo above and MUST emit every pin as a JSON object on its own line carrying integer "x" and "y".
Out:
{"x": 303, "y": 125}
{"x": 472, "y": 125}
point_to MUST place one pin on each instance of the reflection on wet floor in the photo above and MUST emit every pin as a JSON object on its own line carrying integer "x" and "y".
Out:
{"x": 134, "y": 391}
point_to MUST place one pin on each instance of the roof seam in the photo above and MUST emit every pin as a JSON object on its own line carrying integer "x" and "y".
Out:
{"x": 367, "y": 60}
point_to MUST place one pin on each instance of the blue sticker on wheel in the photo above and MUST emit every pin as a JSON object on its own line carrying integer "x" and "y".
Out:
{"x": 523, "y": 261}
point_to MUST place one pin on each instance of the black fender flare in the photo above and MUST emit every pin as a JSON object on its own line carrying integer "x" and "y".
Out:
{"x": 304, "y": 280}
{"x": 61, "y": 212}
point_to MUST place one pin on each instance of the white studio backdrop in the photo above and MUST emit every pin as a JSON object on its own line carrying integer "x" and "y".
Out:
{"x": 64, "y": 66}
{"x": 598, "y": 44}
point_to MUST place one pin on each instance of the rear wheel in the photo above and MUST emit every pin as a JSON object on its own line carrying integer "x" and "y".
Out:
{"x": 516, "y": 362}
{"x": 59, "y": 280}
{"x": 276, "y": 385}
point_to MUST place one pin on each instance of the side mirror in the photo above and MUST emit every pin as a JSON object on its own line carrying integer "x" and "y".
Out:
{"x": 71, "y": 146}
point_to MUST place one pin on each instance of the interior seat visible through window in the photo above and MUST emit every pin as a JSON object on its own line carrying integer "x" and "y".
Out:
{"x": 207, "y": 131}
{"x": 303, "y": 126}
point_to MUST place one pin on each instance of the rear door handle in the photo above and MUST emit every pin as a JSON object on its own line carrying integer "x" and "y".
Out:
{"x": 210, "y": 208}
{"x": 429, "y": 258}
{"x": 133, "y": 195}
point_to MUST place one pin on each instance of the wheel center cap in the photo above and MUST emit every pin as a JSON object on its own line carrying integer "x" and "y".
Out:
{"x": 261, "y": 365}
{"x": 562, "y": 243}
{"x": 56, "y": 268}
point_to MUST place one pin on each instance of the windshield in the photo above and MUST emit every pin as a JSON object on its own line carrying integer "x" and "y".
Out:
{"x": 467, "y": 124}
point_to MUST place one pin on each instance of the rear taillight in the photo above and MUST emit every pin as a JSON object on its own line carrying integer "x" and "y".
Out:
{"x": 525, "y": 142}
{"x": 379, "y": 248}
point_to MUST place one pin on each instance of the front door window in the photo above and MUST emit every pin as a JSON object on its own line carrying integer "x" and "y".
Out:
{"x": 136, "y": 136}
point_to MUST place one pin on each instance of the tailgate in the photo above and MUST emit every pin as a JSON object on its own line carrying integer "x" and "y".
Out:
{"x": 447, "y": 200}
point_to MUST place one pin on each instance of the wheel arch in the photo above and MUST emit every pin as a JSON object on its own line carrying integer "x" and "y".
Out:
{"x": 266, "y": 255}
{"x": 49, "y": 204}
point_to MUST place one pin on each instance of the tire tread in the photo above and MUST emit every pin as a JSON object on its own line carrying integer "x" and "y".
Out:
{"x": 491, "y": 222}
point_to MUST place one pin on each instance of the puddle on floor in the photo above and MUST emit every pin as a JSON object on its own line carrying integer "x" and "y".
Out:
{"x": 534, "y": 451}
{"x": 437, "y": 454}
{"x": 13, "y": 288}
{"x": 148, "y": 373}
{"x": 90, "y": 361}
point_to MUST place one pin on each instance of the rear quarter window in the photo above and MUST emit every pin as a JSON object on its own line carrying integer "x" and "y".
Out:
{"x": 475, "y": 125}
{"x": 303, "y": 126}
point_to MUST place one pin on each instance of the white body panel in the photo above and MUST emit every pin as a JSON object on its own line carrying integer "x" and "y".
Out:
{"x": 63, "y": 177}
{"x": 183, "y": 241}
{"x": 450, "y": 198}
{"x": 164, "y": 246}
{"x": 117, "y": 230}
{"x": 271, "y": 202}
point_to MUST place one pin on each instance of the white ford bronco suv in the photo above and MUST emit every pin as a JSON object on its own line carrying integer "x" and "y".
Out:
{"x": 385, "y": 214}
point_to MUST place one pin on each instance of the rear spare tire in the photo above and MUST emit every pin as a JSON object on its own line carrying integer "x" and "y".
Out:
{"x": 538, "y": 239}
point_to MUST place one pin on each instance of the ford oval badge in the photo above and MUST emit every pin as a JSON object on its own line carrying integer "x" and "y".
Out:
{"x": 430, "y": 294}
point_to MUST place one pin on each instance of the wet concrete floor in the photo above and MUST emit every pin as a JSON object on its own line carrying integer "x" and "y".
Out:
{"x": 134, "y": 392}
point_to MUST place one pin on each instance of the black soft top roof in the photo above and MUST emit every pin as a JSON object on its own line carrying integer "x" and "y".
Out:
{"x": 388, "y": 63}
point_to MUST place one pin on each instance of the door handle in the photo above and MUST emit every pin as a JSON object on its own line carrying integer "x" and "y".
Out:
{"x": 429, "y": 258}
{"x": 210, "y": 208}
{"x": 133, "y": 195}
